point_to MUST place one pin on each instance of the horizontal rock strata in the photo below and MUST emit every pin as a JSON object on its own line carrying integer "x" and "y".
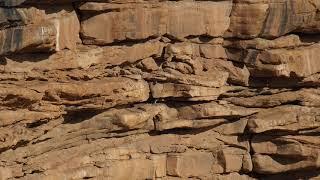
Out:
{"x": 161, "y": 90}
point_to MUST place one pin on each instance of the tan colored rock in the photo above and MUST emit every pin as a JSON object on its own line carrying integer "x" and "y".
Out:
{"x": 14, "y": 135}
{"x": 196, "y": 48}
{"x": 294, "y": 153}
{"x": 289, "y": 41}
{"x": 231, "y": 176}
{"x": 31, "y": 37}
{"x": 269, "y": 18}
{"x": 212, "y": 110}
{"x": 103, "y": 158}
{"x": 149, "y": 92}
{"x": 116, "y": 55}
{"x": 237, "y": 75}
{"x": 160, "y": 165}
{"x": 284, "y": 118}
{"x": 9, "y": 117}
{"x": 297, "y": 62}
{"x": 77, "y": 94}
{"x": 215, "y": 78}
{"x": 181, "y": 51}
{"x": 203, "y": 60}
{"x": 213, "y": 51}
{"x": 67, "y": 29}
{"x": 143, "y": 117}
{"x": 158, "y": 19}
{"x": 42, "y": 32}
{"x": 5, "y": 173}
{"x": 88, "y": 95}
{"x": 222, "y": 126}
{"x": 189, "y": 92}
{"x": 189, "y": 164}
{"x": 149, "y": 64}
{"x": 290, "y": 145}
{"x": 184, "y": 165}
{"x": 233, "y": 159}
{"x": 33, "y": 66}
{"x": 129, "y": 169}
{"x": 304, "y": 97}
{"x": 244, "y": 24}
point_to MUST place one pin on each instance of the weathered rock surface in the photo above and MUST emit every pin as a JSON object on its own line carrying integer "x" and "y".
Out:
{"x": 269, "y": 18}
{"x": 37, "y": 30}
{"x": 163, "y": 90}
{"x": 272, "y": 155}
{"x": 141, "y": 21}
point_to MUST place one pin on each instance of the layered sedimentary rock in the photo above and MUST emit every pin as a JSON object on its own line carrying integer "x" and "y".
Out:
{"x": 166, "y": 90}
{"x": 29, "y": 29}
{"x": 144, "y": 20}
{"x": 269, "y": 18}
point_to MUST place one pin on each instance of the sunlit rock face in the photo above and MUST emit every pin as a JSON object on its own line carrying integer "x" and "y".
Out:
{"x": 163, "y": 90}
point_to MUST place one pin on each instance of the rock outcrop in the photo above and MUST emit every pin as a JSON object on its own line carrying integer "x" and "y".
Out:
{"x": 128, "y": 89}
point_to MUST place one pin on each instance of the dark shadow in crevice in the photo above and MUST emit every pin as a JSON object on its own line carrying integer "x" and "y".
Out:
{"x": 36, "y": 124}
{"x": 74, "y": 117}
{"x": 275, "y": 82}
{"x": 202, "y": 38}
{"x": 182, "y": 131}
{"x": 21, "y": 143}
{"x": 125, "y": 42}
{"x": 304, "y": 174}
{"x": 25, "y": 57}
{"x": 309, "y": 38}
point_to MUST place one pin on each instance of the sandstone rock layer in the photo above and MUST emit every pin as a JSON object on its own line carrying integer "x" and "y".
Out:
{"x": 163, "y": 90}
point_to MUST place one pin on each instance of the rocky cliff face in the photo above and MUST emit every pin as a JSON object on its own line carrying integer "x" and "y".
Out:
{"x": 133, "y": 89}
